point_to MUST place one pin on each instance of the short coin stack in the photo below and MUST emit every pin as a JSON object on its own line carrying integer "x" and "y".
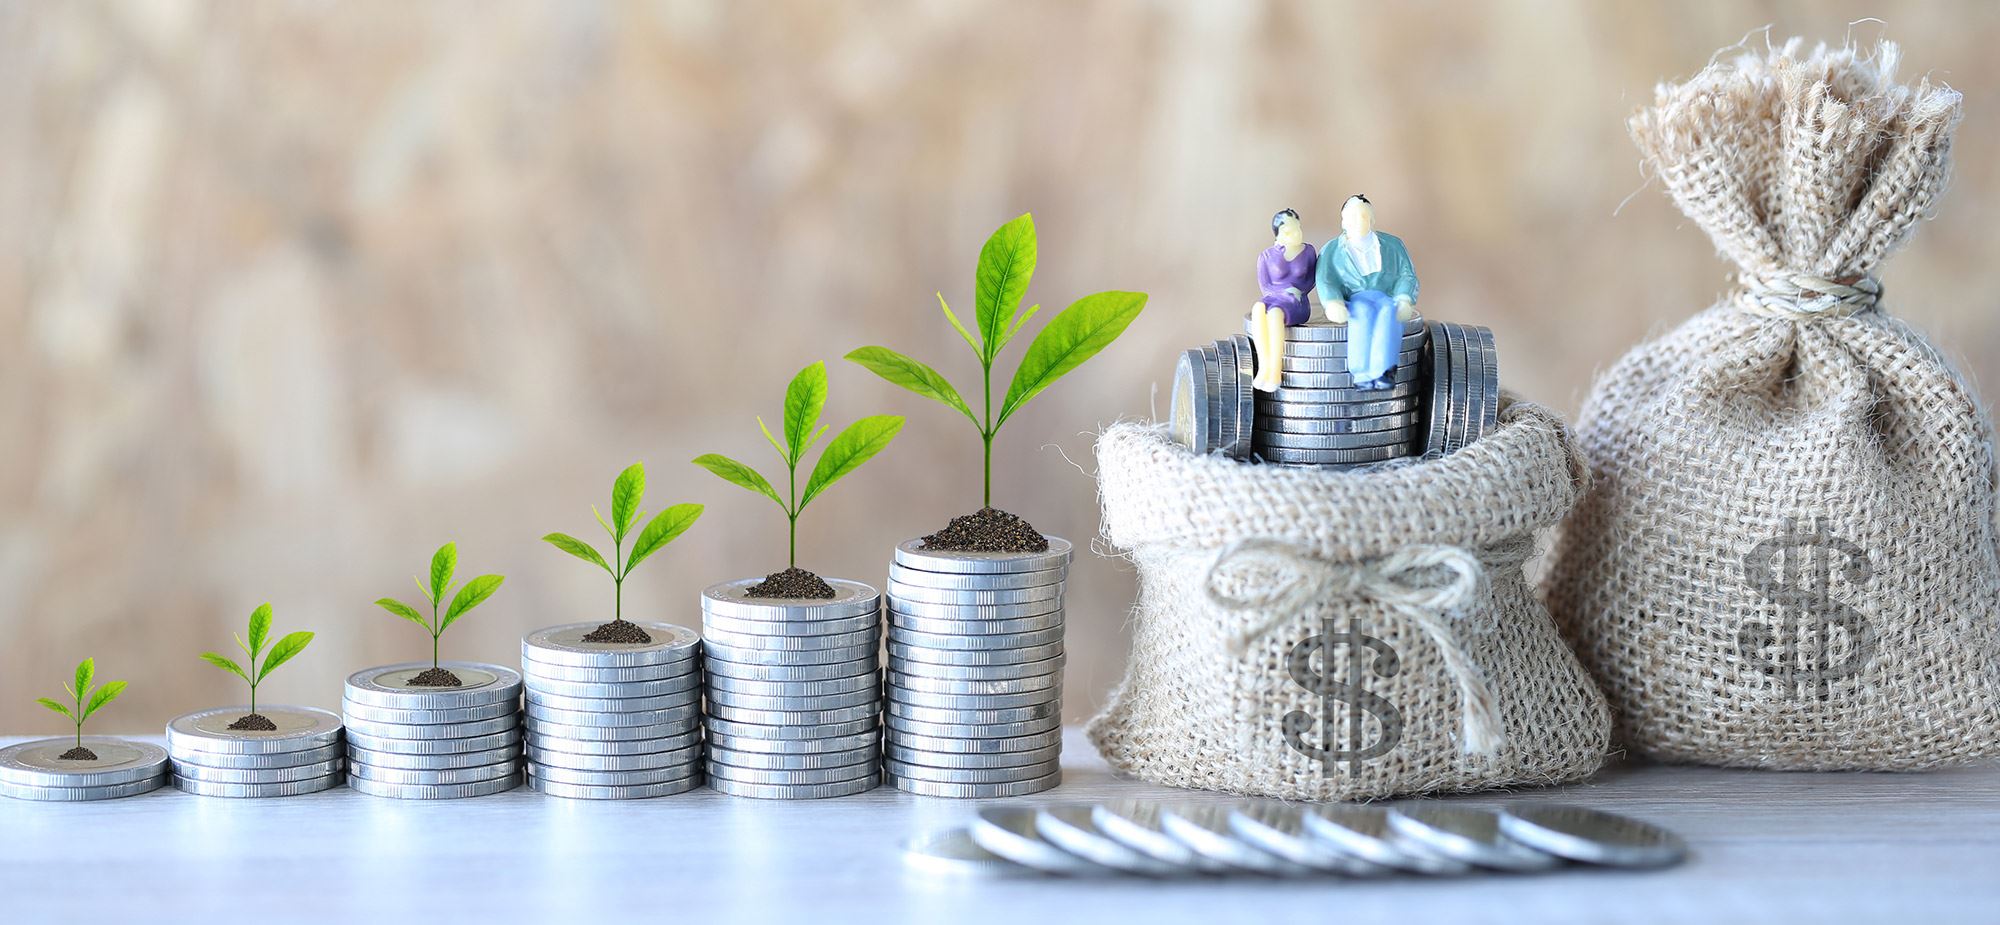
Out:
{"x": 613, "y": 721}
{"x": 1318, "y": 417}
{"x": 37, "y": 770}
{"x": 1212, "y": 407}
{"x": 304, "y": 754}
{"x": 975, "y": 671}
{"x": 1464, "y": 387}
{"x": 433, "y": 743}
{"x": 794, "y": 692}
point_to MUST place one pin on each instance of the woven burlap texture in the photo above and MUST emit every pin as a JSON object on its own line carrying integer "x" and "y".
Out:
{"x": 1194, "y": 711}
{"x": 1787, "y": 558}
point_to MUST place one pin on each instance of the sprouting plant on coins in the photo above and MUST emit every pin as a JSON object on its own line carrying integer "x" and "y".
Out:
{"x": 475, "y": 592}
{"x": 281, "y": 652}
{"x": 79, "y": 691}
{"x": 627, "y": 491}
{"x": 1074, "y": 335}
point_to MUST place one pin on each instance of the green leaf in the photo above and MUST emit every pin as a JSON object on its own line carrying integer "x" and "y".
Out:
{"x": 104, "y": 695}
{"x": 283, "y": 650}
{"x": 1006, "y": 263}
{"x": 58, "y": 707}
{"x": 671, "y": 523}
{"x": 1020, "y": 321}
{"x": 405, "y": 611}
{"x": 579, "y": 549}
{"x": 85, "y": 670}
{"x": 913, "y": 375}
{"x": 625, "y": 495}
{"x": 1088, "y": 326}
{"x": 472, "y": 595}
{"x": 784, "y": 452}
{"x": 805, "y": 398}
{"x": 956, "y": 325}
{"x": 224, "y": 664}
{"x": 260, "y": 627}
{"x": 821, "y": 432}
{"x": 442, "y": 565}
{"x": 738, "y": 474}
{"x": 855, "y": 445}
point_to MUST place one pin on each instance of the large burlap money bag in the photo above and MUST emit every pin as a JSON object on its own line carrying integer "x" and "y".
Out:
{"x": 1311, "y": 634}
{"x": 1787, "y": 559}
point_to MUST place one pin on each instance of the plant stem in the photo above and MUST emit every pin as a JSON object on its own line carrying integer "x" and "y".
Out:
{"x": 986, "y": 430}
{"x": 792, "y": 513}
{"x": 617, "y": 579}
{"x": 253, "y": 690}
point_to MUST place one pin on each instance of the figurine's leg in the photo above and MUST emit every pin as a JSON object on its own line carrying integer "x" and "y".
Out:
{"x": 1274, "y": 347}
{"x": 1262, "y": 320}
{"x": 1372, "y": 336}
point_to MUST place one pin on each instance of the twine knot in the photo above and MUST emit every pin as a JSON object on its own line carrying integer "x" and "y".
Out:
{"x": 1803, "y": 296}
{"x": 1428, "y": 586}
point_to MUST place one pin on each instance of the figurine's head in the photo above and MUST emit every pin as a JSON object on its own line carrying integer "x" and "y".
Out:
{"x": 1357, "y": 217}
{"x": 1286, "y": 226}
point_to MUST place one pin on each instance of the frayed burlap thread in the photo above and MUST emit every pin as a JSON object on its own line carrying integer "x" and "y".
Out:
{"x": 1788, "y": 557}
{"x": 1207, "y": 687}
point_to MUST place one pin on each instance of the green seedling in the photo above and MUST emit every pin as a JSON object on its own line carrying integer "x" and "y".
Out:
{"x": 475, "y": 592}
{"x": 86, "y": 671}
{"x": 626, "y": 494}
{"x": 281, "y": 652}
{"x": 805, "y": 398}
{"x": 1074, "y": 335}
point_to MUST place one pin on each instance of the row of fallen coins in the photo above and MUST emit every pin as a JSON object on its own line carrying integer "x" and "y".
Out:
{"x": 975, "y": 671}
{"x": 1289, "y": 840}
{"x": 794, "y": 692}
{"x": 38, "y": 771}
{"x": 221, "y": 753}
{"x": 613, "y": 721}
{"x": 433, "y": 743}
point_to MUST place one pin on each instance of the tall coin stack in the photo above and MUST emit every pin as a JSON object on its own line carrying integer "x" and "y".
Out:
{"x": 433, "y": 743}
{"x": 1317, "y": 417}
{"x": 304, "y": 754}
{"x": 794, "y": 692}
{"x": 975, "y": 671}
{"x": 613, "y": 721}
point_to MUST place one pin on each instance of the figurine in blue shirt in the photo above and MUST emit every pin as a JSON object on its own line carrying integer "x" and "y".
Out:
{"x": 1366, "y": 282}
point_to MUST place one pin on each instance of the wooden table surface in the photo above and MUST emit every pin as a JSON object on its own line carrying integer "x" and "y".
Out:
{"x": 1768, "y": 847}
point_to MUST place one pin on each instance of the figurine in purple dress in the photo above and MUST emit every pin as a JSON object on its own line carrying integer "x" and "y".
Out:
{"x": 1285, "y": 276}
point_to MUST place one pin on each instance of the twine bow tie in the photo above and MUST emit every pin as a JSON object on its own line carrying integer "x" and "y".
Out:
{"x": 1405, "y": 580}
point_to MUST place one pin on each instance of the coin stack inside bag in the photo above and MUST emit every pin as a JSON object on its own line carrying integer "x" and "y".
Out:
{"x": 613, "y": 721}
{"x": 794, "y": 692}
{"x": 1317, "y": 417}
{"x": 304, "y": 754}
{"x": 975, "y": 671}
{"x": 37, "y": 771}
{"x": 433, "y": 743}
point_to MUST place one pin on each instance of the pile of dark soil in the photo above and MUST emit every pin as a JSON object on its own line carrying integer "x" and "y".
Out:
{"x": 436, "y": 677}
{"x": 988, "y": 530}
{"x": 78, "y": 753}
{"x": 254, "y": 722}
{"x": 793, "y": 582}
{"x": 623, "y": 632}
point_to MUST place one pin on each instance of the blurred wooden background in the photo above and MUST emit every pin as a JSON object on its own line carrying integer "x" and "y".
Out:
{"x": 292, "y": 292}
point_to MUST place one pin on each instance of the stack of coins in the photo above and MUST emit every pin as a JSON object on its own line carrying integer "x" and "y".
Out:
{"x": 1464, "y": 389}
{"x": 975, "y": 671}
{"x": 1317, "y": 417}
{"x": 303, "y": 755}
{"x": 1212, "y": 410}
{"x": 37, "y": 770}
{"x": 613, "y": 721}
{"x": 433, "y": 743}
{"x": 794, "y": 692}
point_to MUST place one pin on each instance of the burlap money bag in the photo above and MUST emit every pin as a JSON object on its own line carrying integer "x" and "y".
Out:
{"x": 1252, "y": 578}
{"x": 1787, "y": 559}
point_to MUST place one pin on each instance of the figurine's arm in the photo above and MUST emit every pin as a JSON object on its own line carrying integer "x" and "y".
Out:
{"x": 1404, "y": 288}
{"x": 1266, "y": 274}
{"x": 1332, "y": 293}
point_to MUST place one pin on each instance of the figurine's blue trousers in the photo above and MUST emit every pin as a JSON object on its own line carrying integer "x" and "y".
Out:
{"x": 1373, "y": 335}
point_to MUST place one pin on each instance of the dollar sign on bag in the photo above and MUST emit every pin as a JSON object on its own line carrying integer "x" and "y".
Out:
{"x": 1777, "y": 568}
{"x": 1364, "y": 653}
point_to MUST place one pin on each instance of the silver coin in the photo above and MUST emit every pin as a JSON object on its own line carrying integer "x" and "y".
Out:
{"x": 388, "y": 687}
{"x": 904, "y": 576}
{"x": 794, "y": 704}
{"x": 299, "y": 729}
{"x": 1461, "y": 391}
{"x": 628, "y": 689}
{"x": 1325, "y": 409}
{"x": 831, "y": 626}
{"x": 1278, "y": 829}
{"x": 913, "y": 594}
{"x": 1490, "y": 410}
{"x": 1017, "y": 670}
{"x": 1336, "y": 395}
{"x": 973, "y": 657}
{"x": 1364, "y": 832}
{"x": 1011, "y": 832}
{"x": 1389, "y": 422}
{"x": 1136, "y": 825}
{"x": 712, "y": 636}
{"x": 731, "y": 599}
{"x": 401, "y": 761}
{"x": 1242, "y": 406}
{"x": 433, "y": 792}
{"x": 1072, "y": 829}
{"x": 532, "y": 670}
{"x": 993, "y": 687}
{"x": 1437, "y": 410}
{"x": 720, "y": 668}
{"x": 976, "y": 641}
{"x": 476, "y": 743}
{"x": 742, "y": 745}
{"x": 616, "y": 704}
{"x": 795, "y": 791}
{"x": 329, "y": 768}
{"x": 953, "y": 853}
{"x": 83, "y": 794}
{"x": 564, "y": 645}
{"x": 1271, "y": 439}
{"x": 1303, "y": 379}
{"x": 906, "y": 755}
{"x": 1229, "y": 392}
{"x": 681, "y": 714}
{"x": 1204, "y": 829}
{"x": 942, "y": 790}
{"x": 585, "y": 749}
{"x": 432, "y": 777}
{"x": 900, "y": 622}
{"x": 1192, "y": 425}
{"x": 719, "y": 728}
{"x": 568, "y": 732}
{"x": 1320, "y": 329}
{"x": 791, "y": 778}
{"x": 632, "y": 778}
{"x": 993, "y": 717}
{"x": 795, "y": 761}
{"x": 974, "y": 611}
{"x": 1212, "y": 367}
{"x": 916, "y": 772}
{"x": 1467, "y": 834}
{"x": 257, "y": 791}
{"x": 1321, "y": 457}
{"x": 359, "y": 712}
{"x": 1331, "y": 356}
{"x": 960, "y": 745}
{"x": 821, "y": 717}
{"x": 1475, "y": 384}
{"x": 898, "y": 724}
{"x": 914, "y": 554}
{"x": 39, "y": 763}
{"x": 936, "y": 701}
{"x": 1592, "y": 836}
{"x": 634, "y": 792}
{"x": 256, "y": 761}
{"x": 744, "y": 655}
{"x": 870, "y": 681}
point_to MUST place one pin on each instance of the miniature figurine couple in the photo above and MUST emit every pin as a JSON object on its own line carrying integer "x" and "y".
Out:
{"x": 1365, "y": 281}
